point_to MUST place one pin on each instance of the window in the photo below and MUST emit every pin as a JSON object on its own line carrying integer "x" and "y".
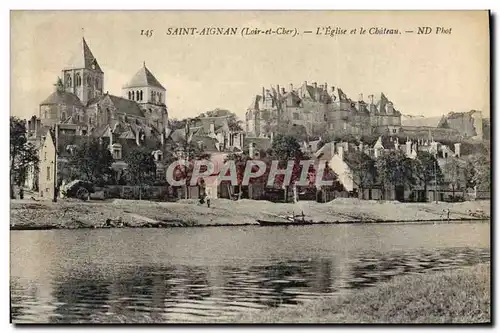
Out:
{"x": 89, "y": 81}
{"x": 48, "y": 173}
{"x": 68, "y": 80}
{"x": 97, "y": 83}
{"x": 133, "y": 96}
{"x": 160, "y": 174}
{"x": 45, "y": 156}
{"x": 129, "y": 95}
{"x": 78, "y": 79}
{"x": 63, "y": 116}
{"x": 140, "y": 95}
{"x": 116, "y": 151}
{"x": 295, "y": 116}
{"x": 45, "y": 114}
{"x": 160, "y": 98}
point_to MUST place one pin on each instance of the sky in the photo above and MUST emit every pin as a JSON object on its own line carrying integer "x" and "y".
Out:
{"x": 427, "y": 75}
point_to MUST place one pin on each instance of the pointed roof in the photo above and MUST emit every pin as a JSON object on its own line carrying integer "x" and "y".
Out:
{"x": 143, "y": 78}
{"x": 83, "y": 58}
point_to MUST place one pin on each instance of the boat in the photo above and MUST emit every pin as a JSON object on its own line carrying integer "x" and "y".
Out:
{"x": 285, "y": 220}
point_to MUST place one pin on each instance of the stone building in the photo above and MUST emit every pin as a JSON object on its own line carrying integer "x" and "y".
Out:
{"x": 80, "y": 104}
{"x": 319, "y": 109}
{"x": 79, "y": 109}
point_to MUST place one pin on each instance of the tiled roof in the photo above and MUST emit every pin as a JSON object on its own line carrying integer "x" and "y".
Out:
{"x": 143, "y": 78}
{"x": 83, "y": 58}
{"x": 64, "y": 98}
{"x": 126, "y": 106}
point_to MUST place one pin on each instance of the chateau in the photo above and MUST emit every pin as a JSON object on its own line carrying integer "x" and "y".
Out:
{"x": 319, "y": 110}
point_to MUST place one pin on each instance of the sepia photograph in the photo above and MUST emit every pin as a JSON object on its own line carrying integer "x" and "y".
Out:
{"x": 250, "y": 167}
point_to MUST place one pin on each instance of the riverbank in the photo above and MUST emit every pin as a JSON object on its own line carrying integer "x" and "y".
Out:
{"x": 460, "y": 296}
{"x": 72, "y": 214}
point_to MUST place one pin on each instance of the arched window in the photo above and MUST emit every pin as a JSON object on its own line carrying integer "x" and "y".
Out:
{"x": 97, "y": 83}
{"x": 63, "y": 116}
{"x": 78, "y": 79}
{"x": 89, "y": 81}
{"x": 133, "y": 96}
{"x": 68, "y": 80}
{"x": 141, "y": 96}
{"x": 137, "y": 95}
{"x": 129, "y": 95}
{"x": 161, "y": 98}
{"x": 152, "y": 96}
{"x": 45, "y": 114}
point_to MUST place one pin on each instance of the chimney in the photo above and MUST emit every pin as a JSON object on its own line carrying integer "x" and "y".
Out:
{"x": 360, "y": 98}
{"x": 370, "y": 99}
{"x": 251, "y": 150}
{"x": 282, "y": 91}
{"x": 389, "y": 108}
{"x": 278, "y": 89}
{"x": 340, "y": 151}
{"x": 408, "y": 148}
{"x": 305, "y": 83}
{"x": 263, "y": 94}
{"x": 457, "y": 149}
{"x": 332, "y": 148}
{"x": 316, "y": 91}
{"x": 291, "y": 87}
{"x": 326, "y": 87}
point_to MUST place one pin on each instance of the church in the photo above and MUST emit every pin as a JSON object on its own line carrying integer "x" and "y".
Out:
{"x": 79, "y": 109}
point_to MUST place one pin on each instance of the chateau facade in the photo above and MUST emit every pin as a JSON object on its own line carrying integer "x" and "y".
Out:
{"x": 319, "y": 110}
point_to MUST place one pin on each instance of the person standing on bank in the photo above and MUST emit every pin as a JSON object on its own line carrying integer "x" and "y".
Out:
{"x": 208, "y": 196}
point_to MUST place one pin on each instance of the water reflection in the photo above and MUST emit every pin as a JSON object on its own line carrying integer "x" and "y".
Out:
{"x": 72, "y": 289}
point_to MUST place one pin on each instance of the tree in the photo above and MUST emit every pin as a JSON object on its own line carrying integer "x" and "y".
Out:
{"x": 240, "y": 161}
{"x": 141, "y": 168}
{"x": 428, "y": 170}
{"x": 22, "y": 154}
{"x": 395, "y": 169}
{"x": 363, "y": 169}
{"x": 478, "y": 171}
{"x": 454, "y": 174}
{"x": 91, "y": 161}
{"x": 287, "y": 148}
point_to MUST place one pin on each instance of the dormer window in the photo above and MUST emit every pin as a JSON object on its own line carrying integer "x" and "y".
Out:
{"x": 158, "y": 155}
{"x": 71, "y": 149}
{"x": 116, "y": 151}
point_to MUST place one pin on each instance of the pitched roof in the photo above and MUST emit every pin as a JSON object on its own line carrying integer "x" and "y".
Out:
{"x": 143, "y": 78}
{"x": 83, "y": 58}
{"x": 62, "y": 97}
{"x": 122, "y": 105}
{"x": 326, "y": 152}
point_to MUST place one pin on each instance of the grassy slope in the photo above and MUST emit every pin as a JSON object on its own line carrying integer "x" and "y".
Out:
{"x": 461, "y": 296}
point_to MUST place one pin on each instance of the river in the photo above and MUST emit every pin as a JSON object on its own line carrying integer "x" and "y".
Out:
{"x": 195, "y": 274}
